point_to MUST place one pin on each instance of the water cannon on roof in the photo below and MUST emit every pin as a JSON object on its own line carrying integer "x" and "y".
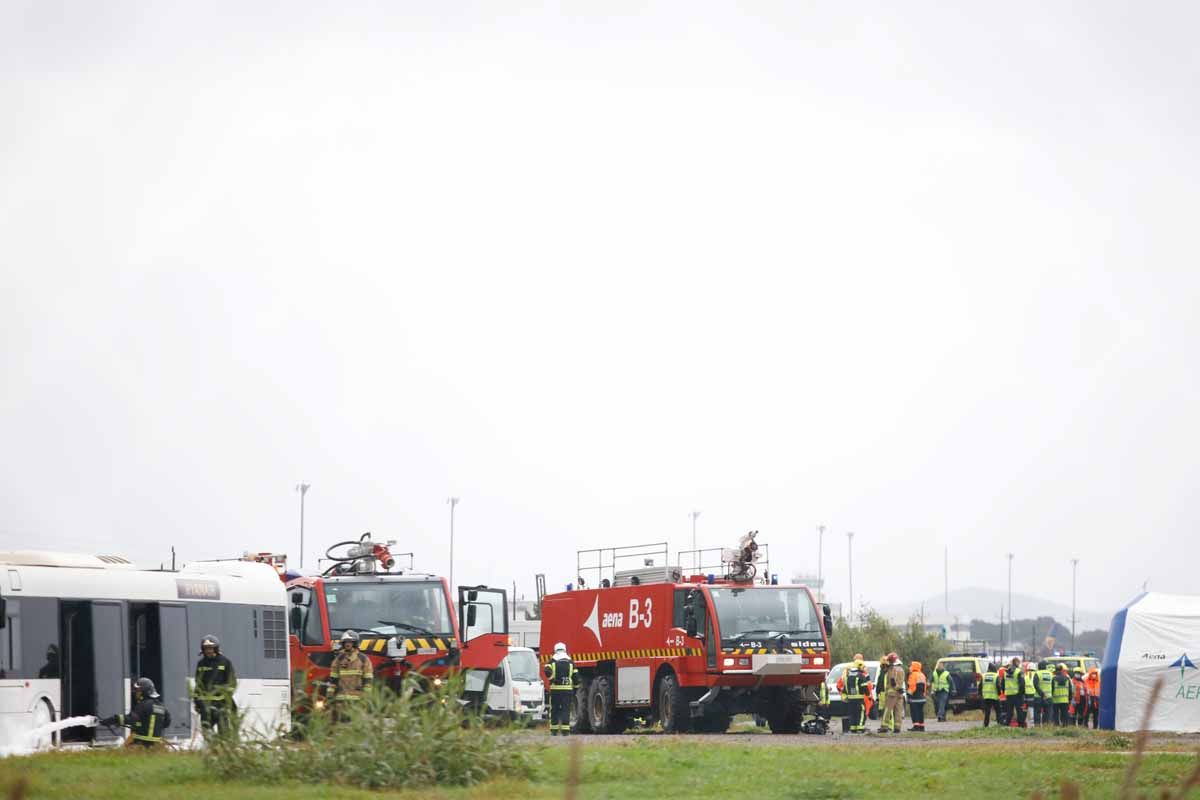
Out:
{"x": 361, "y": 556}
{"x": 741, "y": 564}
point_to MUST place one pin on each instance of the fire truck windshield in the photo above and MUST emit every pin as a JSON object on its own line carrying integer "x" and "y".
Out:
{"x": 389, "y": 608}
{"x": 763, "y": 612}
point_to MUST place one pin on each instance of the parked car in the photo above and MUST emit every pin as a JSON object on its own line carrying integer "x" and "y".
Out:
{"x": 966, "y": 679}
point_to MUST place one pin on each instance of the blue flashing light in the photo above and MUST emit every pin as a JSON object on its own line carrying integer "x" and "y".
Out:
{"x": 712, "y": 578}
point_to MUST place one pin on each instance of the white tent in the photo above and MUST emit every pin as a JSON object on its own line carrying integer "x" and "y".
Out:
{"x": 1157, "y": 636}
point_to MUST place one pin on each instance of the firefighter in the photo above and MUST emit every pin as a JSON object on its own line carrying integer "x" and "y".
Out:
{"x": 1013, "y": 690}
{"x": 350, "y": 673}
{"x": 823, "y": 702}
{"x": 1032, "y": 696}
{"x": 855, "y": 688}
{"x": 1062, "y": 691}
{"x": 560, "y": 672}
{"x": 1079, "y": 709}
{"x": 941, "y": 687}
{"x": 149, "y": 717}
{"x": 990, "y": 691}
{"x": 215, "y": 685}
{"x": 893, "y": 710}
{"x": 1092, "y": 683}
{"x": 916, "y": 696}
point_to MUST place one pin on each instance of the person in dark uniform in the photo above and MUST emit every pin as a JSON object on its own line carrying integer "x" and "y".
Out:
{"x": 560, "y": 671}
{"x": 856, "y": 684}
{"x": 216, "y": 682}
{"x": 149, "y": 717}
{"x": 50, "y": 668}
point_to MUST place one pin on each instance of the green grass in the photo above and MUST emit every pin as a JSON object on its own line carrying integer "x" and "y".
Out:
{"x": 642, "y": 767}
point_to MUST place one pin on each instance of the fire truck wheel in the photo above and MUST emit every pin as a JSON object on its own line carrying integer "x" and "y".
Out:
{"x": 579, "y": 717}
{"x": 600, "y": 705}
{"x": 786, "y": 715}
{"x": 673, "y": 710}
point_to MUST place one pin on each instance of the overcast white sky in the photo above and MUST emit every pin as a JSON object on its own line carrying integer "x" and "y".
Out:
{"x": 925, "y": 274}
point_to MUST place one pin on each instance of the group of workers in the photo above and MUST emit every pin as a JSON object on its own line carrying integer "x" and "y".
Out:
{"x": 215, "y": 684}
{"x": 1055, "y": 696}
{"x": 893, "y": 688}
{"x": 1010, "y": 693}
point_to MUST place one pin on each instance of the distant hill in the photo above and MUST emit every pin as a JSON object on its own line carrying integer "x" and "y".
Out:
{"x": 985, "y": 605}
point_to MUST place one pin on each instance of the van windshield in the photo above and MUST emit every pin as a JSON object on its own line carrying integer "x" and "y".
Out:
{"x": 409, "y": 608}
{"x": 524, "y": 666}
{"x": 762, "y": 612}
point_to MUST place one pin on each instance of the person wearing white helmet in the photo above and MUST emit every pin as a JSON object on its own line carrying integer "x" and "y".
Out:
{"x": 562, "y": 677}
{"x": 350, "y": 673}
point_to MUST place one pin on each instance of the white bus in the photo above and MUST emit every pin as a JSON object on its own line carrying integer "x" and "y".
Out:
{"x": 77, "y": 630}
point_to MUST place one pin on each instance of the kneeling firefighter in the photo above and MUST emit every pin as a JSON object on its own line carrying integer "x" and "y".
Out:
{"x": 149, "y": 717}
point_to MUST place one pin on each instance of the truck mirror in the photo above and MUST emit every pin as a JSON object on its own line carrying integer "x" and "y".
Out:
{"x": 470, "y": 616}
{"x": 828, "y": 614}
{"x": 296, "y": 618}
{"x": 297, "y": 598}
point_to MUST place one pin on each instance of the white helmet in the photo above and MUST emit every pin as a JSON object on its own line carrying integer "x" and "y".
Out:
{"x": 559, "y": 647}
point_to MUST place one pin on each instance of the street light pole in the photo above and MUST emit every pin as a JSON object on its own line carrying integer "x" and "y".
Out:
{"x": 452, "y": 501}
{"x": 850, "y": 550}
{"x": 820, "y": 549}
{"x": 1010, "y": 610}
{"x": 302, "y": 488}
{"x": 1074, "y": 570}
{"x": 695, "y": 552}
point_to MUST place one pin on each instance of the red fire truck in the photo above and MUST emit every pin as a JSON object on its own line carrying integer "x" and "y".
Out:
{"x": 687, "y": 650}
{"x": 405, "y": 620}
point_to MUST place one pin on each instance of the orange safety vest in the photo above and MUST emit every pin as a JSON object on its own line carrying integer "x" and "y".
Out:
{"x": 1093, "y": 684}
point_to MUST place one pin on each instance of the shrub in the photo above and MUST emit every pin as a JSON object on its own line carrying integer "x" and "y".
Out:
{"x": 387, "y": 740}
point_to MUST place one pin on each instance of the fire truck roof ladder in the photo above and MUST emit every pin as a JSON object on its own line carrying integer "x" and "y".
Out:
{"x": 625, "y": 566}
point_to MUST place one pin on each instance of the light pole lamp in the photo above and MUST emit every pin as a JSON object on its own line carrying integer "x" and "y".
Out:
{"x": 695, "y": 552}
{"x": 820, "y": 559}
{"x": 1074, "y": 570}
{"x": 1010, "y": 608}
{"x": 302, "y": 488}
{"x": 452, "y": 502}
{"x": 850, "y": 550}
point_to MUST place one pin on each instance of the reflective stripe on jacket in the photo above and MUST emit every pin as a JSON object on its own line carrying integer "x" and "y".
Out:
{"x": 941, "y": 681}
{"x": 989, "y": 689}
{"x": 561, "y": 672}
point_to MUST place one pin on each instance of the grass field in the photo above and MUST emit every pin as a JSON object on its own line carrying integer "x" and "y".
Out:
{"x": 642, "y": 767}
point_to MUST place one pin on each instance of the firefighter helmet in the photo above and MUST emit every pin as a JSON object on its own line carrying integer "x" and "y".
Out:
{"x": 211, "y": 641}
{"x": 350, "y": 636}
{"x": 146, "y": 687}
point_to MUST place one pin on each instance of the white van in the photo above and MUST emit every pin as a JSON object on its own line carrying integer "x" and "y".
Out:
{"x": 516, "y": 687}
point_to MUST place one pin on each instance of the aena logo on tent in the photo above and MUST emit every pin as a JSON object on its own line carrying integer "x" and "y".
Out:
{"x": 1186, "y": 691}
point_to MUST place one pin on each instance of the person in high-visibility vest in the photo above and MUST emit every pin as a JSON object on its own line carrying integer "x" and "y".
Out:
{"x": 560, "y": 672}
{"x": 1092, "y": 683}
{"x": 941, "y": 686}
{"x": 917, "y": 684}
{"x": 1032, "y": 694}
{"x": 149, "y": 717}
{"x": 1062, "y": 691}
{"x": 1046, "y": 684}
{"x": 990, "y": 691}
{"x": 1014, "y": 694}
{"x": 893, "y": 709}
{"x": 1079, "y": 709}
{"x": 823, "y": 701}
{"x": 856, "y": 683}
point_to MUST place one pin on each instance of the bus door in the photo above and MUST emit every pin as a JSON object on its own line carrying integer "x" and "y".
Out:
{"x": 176, "y": 658}
{"x": 483, "y": 631}
{"x": 95, "y": 665}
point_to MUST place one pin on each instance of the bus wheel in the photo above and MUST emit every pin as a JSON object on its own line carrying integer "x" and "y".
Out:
{"x": 43, "y": 714}
{"x": 673, "y": 710}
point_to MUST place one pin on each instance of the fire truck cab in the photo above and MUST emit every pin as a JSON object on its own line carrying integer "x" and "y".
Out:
{"x": 404, "y": 619}
{"x": 689, "y": 651}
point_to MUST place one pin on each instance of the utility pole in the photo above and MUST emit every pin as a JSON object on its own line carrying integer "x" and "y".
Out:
{"x": 946, "y": 573}
{"x": 820, "y": 554}
{"x": 302, "y": 488}
{"x": 695, "y": 552}
{"x": 1010, "y": 611}
{"x": 452, "y": 501}
{"x": 850, "y": 549}
{"x": 1074, "y": 570}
